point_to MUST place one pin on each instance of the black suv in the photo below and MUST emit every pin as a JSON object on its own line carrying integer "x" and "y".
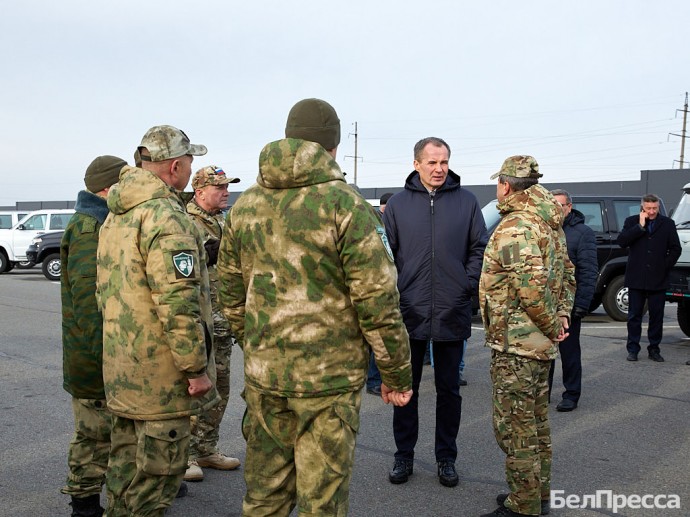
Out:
{"x": 45, "y": 250}
{"x": 605, "y": 215}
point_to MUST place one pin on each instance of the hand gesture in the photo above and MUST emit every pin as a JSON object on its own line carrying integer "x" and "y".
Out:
{"x": 397, "y": 398}
{"x": 199, "y": 386}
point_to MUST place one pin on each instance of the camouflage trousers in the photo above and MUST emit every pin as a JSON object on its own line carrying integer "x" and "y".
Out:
{"x": 89, "y": 448}
{"x": 300, "y": 452}
{"x": 148, "y": 459}
{"x": 206, "y": 425}
{"x": 521, "y": 427}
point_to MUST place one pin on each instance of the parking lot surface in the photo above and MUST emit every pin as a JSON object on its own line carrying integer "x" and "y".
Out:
{"x": 630, "y": 434}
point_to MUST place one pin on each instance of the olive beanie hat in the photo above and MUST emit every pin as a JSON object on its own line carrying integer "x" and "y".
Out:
{"x": 103, "y": 172}
{"x": 316, "y": 121}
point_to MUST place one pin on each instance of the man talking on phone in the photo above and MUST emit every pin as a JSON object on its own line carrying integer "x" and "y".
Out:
{"x": 654, "y": 248}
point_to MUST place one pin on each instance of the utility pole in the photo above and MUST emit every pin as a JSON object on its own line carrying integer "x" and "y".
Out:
{"x": 682, "y": 133}
{"x": 356, "y": 157}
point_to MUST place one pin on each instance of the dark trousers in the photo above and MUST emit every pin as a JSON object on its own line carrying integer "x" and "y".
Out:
{"x": 571, "y": 362}
{"x": 447, "y": 355}
{"x": 655, "y": 301}
{"x": 373, "y": 373}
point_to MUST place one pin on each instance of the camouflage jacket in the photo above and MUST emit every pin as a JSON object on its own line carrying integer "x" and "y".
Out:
{"x": 307, "y": 279}
{"x": 211, "y": 227}
{"x": 82, "y": 324}
{"x": 527, "y": 279}
{"x": 154, "y": 295}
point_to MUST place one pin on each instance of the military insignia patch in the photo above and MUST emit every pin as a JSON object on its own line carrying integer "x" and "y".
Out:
{"x": 184, "y": 264}
{"x": 384, "y": 238}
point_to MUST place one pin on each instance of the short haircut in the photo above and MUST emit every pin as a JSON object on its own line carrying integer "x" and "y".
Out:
{"x": 561, "y": 192}
{"x": 384, "y": 198}
{"x": 419, "y": 146}
{"x": 518, "y": 184}
{"x": 651, "y": 198}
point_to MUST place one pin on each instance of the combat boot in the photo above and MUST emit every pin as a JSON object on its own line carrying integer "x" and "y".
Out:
{"x": 89, "y": 506}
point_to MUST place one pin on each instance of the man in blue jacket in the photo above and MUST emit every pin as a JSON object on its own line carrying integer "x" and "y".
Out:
{"x": 582, "y": 250}
{"x": 654, "y": 249}
{"x": 437, "y": 234}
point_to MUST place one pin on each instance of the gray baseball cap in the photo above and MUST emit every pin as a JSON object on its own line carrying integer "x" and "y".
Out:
{"x": 166, "y": 142}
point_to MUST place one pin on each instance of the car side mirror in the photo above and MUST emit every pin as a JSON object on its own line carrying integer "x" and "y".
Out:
{"x": 21, "y": 227}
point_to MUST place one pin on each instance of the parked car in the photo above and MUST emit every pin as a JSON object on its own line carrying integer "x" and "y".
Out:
{"x": 9, "y": 219}
{"x": 15, "y": 241}
{"x": 45, "y": 250}
{"x": 605, "y": 215}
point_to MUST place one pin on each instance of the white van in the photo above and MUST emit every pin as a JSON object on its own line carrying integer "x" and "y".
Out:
{"x": 15, "y": 241}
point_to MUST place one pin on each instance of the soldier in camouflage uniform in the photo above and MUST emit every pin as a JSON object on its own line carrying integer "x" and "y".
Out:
{"x": 526, "y": 294}
{"x": 210, "y": 186}
{"x": 307, "y": 280}
{"x": 153, "y": 291}
{"x": 82, "y": 340}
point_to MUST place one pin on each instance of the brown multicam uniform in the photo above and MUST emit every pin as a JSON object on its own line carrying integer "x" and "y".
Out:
{"x": 527, "y": 283}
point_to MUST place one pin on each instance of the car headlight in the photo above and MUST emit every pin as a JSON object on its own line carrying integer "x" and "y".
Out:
{"x": 36, "y": 240}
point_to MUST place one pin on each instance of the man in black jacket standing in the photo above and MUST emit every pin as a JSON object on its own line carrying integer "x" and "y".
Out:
{"x": 654, "y": 249}
{"x": 582, "y": 250}
{"x": 437, "y": 234}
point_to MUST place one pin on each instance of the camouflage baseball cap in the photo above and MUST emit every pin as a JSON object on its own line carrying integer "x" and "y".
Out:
{"x": 521, "y": 166}
{"x": 166, "y": 142}
{"x": 211, "y": 175}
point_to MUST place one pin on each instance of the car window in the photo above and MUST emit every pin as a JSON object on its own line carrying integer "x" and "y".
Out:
{"x": 624, "y": 209}
{"x": 36, "y": 222}
{"x": 491, "y": 215}
{"x": 5, "y": 221}
{"x": 59, "y": 221}
{"x": 592, "y": 212}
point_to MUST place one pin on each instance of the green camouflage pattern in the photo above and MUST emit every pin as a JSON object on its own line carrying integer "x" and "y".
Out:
{"x": 521, "y": 427}
{"x": 306, "y": 281}
{"x": 206, "y": 425}
{"x": 527, "y": 279}
{"x": 147, "y": 463}
{"x": 317, "y": 435}
{"x": 89, "y": 448}
{"x": 154, "y": 295}
{"x": 82, "y": 323}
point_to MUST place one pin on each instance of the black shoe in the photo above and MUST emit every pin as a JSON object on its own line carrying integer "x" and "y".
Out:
{"x": 656, "y": 357}
{"x": 566, "y": 405}
{"x": 688, "y": 363}
{"x": 376, "y": 390}
{"x": 502, "y": 511}
{"x": 545, "y": 503}
{"x": 182, "y": 491}
{"x": 89, "y": 506}
{"x": 402, "y": 470}
{"x": 447, "y": 475}
{"x": 462, "y": 381}
{"x": 632, "y": 356}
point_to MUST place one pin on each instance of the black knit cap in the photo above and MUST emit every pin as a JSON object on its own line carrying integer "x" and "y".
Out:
{"x": 103, "y": 172}
{"x": 316, "y": 121}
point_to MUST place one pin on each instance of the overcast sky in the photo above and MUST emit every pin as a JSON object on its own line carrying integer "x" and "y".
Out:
{"x": 590, "y": 88}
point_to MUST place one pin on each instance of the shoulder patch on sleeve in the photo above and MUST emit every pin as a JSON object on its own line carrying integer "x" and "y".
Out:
{"x": 510, "y": 253}
{"x": 183, "y": 260}
{"x": 384, "y": 239}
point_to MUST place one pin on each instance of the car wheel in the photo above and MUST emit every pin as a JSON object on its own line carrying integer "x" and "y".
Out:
{"x": 615, "y": 299}
{"x": 684, "y": 317}
{"x": 4, "y": 263}
{"x": 26, "y": 264}
{"x": 51, "y": 267}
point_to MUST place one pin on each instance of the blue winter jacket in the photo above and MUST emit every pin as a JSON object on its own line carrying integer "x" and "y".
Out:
{"x": 582, "y": 250}
{"x": 438, "y": 240}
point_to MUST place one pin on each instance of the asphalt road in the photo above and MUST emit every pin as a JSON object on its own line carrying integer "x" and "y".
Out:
{"x": 629, "y": 435}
